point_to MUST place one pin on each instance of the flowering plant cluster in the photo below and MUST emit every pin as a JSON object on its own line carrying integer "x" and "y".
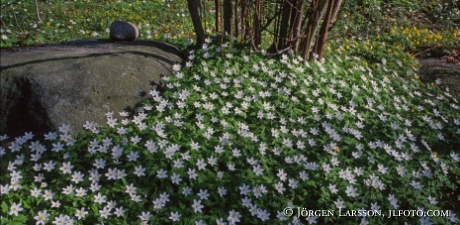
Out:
{"x": 235, "y": 137}
{"x": 419, "y": 38}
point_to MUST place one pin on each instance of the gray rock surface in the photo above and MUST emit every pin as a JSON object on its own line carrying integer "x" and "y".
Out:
{"x": 123, "y": 31}
{"x": 71, "y": 83}
{"x": 432, "y": 69}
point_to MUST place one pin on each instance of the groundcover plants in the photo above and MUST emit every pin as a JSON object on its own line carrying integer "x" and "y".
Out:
{"x": 235, "y": 137}
{"x": 89, "y": 19}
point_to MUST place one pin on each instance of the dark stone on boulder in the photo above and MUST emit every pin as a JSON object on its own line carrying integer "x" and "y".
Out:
{"x": 70, "y": 83}
{"x": 123, "y": 31}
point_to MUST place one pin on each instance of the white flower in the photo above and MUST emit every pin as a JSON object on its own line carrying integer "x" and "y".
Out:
{"x": 222, "y": 191}
{"x": 119, "y": 212}
{"x": 432, "y": 200}
{"x": 65, "y": 129}
{"x": 61, "y": 220}
{"x": 263, "y": 214}
{"x": 175, "y": 178}
{"x": 201, "y": 164}
{"x": 80, "y": 192}
{"x": 158, "y": 204}
{"x": 339, "y": 204}
{"x": 281, "y": 175}
{"x": 133, "y": 156}
{"x": 416, "y": 185}
{"x": 145, "y": 216}
{"x": 111, "y": 174}
{"x": 393, "y": 201}
{"x": 374, "y": 206}
{"x": 81, "y": 213}
{"x": 175, "y": 216}
{"x": 204, "y": 194}
{"x": 176, "y": 67}
{"x": 197, "y": 206}
{"x": 258, "y": 170}
{"x": 42, "y": 217}
{"x": 192, "y": 174}
{"x": 200, "y": 222}
{"x": 303, "y": 175}
{"x": 99, "y": 163}
{"x": 162, "y": 173}
{"x": 99, "y": 198}
{"x": 35, "y": 192}
{"x": 352, "y": 191}
{"x": 186, "y": 191}
{"x": 279, "y": 187}
{"x": 164, "y": 197}
{"x": 333, "y": 188}
{"x": 68, "y": 190}
{"x": 77, "y": 177}
{"x": 139, "y": 171}
{"x": 105, "y": 212}
{"x": 234, "y": 217}
{"x": 16, "y": 208}
{"x": 245, "y": 189}
{"x": 455, "y": 156}
{"x": 49, "y": 166}
{"x": 382, "y": 169}
{"x": 48, "y": 195}
{"x": 293, "y": 183}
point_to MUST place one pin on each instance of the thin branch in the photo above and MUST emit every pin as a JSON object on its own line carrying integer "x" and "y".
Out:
{"x": 38, "y": 12}
{"x": 16, "y": 20}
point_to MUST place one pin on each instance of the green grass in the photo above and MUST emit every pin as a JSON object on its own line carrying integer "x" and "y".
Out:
{"x": 235, "y": 136}
{"x": 71, "y": 20}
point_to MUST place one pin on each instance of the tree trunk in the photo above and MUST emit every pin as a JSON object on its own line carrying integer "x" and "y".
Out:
{"x": 257, "y": 38}
{"x": 195, "y": 13}
{"x": 337, "y": 7}
{"x": 326, "y": 27}
{"x": 244, "y": 13}
{"x": 236, "y": 20}
{"x": 297, "y": 25}
{"x": 316, "y": 12}
{"x": 284, "y": 25}
{"x": 305, "y": 32}
{"x": 228, "y": 17}
{"x": 216, "y": 3}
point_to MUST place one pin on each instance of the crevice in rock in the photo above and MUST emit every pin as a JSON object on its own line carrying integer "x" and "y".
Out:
{"x": 23, "y": 112}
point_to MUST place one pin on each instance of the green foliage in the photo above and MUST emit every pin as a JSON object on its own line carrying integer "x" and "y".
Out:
{"x": 239, "y": 137}
{"x": 445, "y": 12}
{"x": 357, "y": 130}
{"x": 372, "y": 17}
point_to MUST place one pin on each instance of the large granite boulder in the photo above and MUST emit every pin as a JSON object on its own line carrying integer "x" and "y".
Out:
{"x": 70, "y": 83}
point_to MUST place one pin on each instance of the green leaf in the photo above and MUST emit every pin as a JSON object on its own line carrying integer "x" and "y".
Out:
{"x": 4, "y": 207}
{"x": 21, "y": 219}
